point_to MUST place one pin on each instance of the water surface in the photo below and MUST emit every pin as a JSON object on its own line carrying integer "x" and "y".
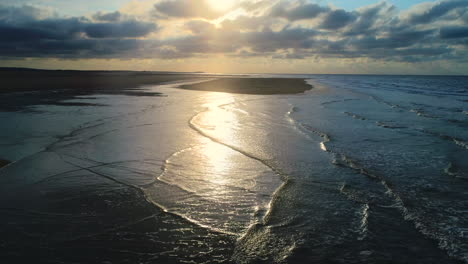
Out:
{"x": 359, "y": 169}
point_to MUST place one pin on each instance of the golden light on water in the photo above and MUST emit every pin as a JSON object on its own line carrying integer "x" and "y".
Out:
{"x": 221, "y": 188}
{"x": 209, "y": 166}
{"x": 219, "y": 163}
{"x": 205, "y": 169}
{"x": 218, "y": 122}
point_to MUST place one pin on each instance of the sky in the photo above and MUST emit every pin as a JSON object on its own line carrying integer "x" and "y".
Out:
{"x": 237, "y": 36}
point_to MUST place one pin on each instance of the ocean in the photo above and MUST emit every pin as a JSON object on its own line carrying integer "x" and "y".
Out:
{"x": 360, "y": 169}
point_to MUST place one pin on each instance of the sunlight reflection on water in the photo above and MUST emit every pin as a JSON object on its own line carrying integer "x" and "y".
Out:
{"x": 221, "y": 188}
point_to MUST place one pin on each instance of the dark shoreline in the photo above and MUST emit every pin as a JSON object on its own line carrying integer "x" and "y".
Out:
{"x": 260, "y": 86}
{"x": 85, "y": 82}
{"x": 22, "y": 88}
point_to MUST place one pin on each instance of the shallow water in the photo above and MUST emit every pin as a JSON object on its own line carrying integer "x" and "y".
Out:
{"x": 359, "y": 169}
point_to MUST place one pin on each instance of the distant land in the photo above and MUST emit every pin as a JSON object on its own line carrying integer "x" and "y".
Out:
{"x": 25, "y": 87}
{"x": 22, "y": 69}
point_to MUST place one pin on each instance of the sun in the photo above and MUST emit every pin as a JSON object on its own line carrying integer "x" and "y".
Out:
{"x": 222, "y": 5}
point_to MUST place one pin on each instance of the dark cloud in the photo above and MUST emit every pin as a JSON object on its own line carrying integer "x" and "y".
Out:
{"x": 436, "y": 11}
{"x": 454, "y": 32}
{"x": 337, "y": 19}
{"x": 280, "y": 30}
{"x": 187, "y": 9}
{"x": 50, "y": 29}
{"x": 393, "y": 40}
{"x": 24, "y": 33}
{"x": 372, "y": 18}
{"x": 298, "y": 12}
{"x": 79, "y": 48}
{"x": 14, "y": 15}
{"x": 107, "y": 17}
{"x": 126, "y": 29}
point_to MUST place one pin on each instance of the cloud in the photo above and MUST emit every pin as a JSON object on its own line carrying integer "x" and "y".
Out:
{"x": 371, "y": 19}
{"x": 269, "y": 41}
{"x": 248, "y": 23}
{"x": 337, "y": 19}
{"x": 15, "y": 15}
{"x": 126, "y": 29}
{"x": 254, "y": 6}
{"x": 25, "y": 33}
{"x": 454, "y": 32}
{"x": 200, "y": 26}
{"x": 298, "y": 12}
{"x": 76, "y": 49}
{"x": 399, "y": 39}
{"x": 35, "y": 30}
{"x": 283, "y": 29}
{"x": 107, "y": 17}
{"x": 430, "y": 12}
{"x": 187, "y": 9}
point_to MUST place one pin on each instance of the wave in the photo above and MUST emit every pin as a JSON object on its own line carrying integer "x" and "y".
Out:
{"x": 297, "y": 126}
{"x": 453, "y": 246}
{"x": 392, "y": 105}
{"x": 392, "y": 125}
{"x": 249, "y": 246}
{"x": 418, "y": 111}
{"x": 383, "y": 124}
{"x": 355, "y": 116}
{"x": 447, "y": 235}
{"x": 389, "y": 125}
{"x": 332, "y": 102}
{"x": 457, "y": 122}
{"x": 446, "y": 242}
{"x": 364, "y": 229}
{"x": 338, "y": 101}
{"x": 422, "y": 113}
{"x": 458, "y": 141}
{"x": 324, "y": 136}
{"x": 454, "y": 171}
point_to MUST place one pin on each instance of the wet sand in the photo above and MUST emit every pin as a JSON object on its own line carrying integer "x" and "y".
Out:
{"x": 22, "y": 88}
{"x": 252, "y": 86}
{"x": 15, "y": 80}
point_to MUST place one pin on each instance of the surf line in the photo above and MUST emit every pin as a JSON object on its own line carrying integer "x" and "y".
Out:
{"x": 283, "y": 176}
{"x": 342, "y": 160}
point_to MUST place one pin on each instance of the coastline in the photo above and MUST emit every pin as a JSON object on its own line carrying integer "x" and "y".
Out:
{"x": 84, "y": 81}
{"x": 259, "y": 86}
{"x": 54, "y": 87}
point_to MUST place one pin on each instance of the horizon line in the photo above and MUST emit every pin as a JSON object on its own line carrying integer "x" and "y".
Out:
{"x": 214, "y": 73}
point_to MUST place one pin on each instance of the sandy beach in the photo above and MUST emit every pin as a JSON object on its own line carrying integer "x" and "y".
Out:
{"x": 15, "y": 80}
{"x": 50, "y": 87}
{"x": 252, "y": 86}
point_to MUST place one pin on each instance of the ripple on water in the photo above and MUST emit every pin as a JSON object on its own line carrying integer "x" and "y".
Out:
{"x": 215, "y": 187}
